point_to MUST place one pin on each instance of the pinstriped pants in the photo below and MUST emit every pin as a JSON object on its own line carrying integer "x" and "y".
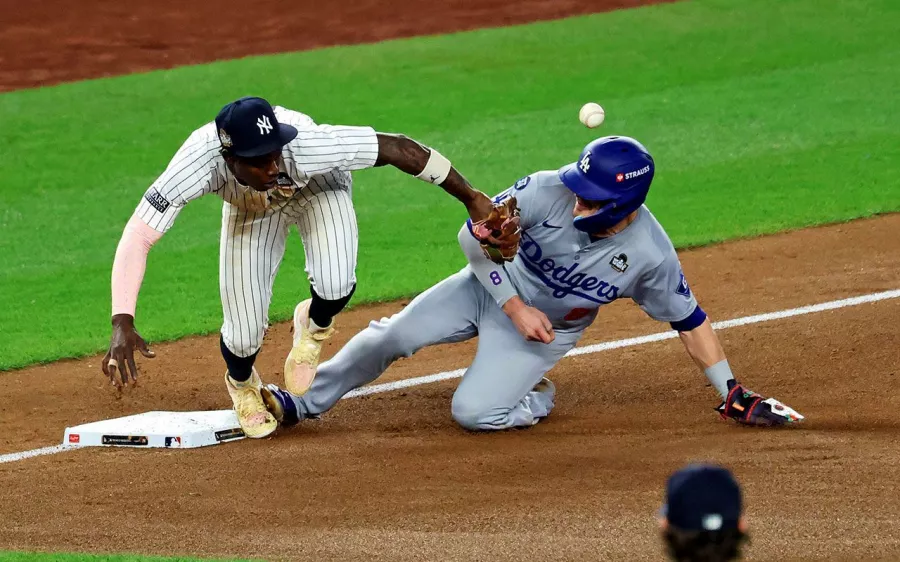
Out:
{"x": 252, "y": 247}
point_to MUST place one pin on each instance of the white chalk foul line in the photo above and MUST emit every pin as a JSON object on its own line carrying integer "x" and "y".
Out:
{"x": 596, "y": 348}
{"x": 606, "y": 346}
{"x": 404, "y": 383}
{"x": 12, "y": 457}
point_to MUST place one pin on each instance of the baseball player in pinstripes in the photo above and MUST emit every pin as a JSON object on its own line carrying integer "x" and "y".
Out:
{"x": 273, "y": 167}
{"x": 587, "y": 239}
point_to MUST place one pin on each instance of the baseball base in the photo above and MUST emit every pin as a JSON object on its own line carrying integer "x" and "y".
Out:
{"x": 169, "y": 430}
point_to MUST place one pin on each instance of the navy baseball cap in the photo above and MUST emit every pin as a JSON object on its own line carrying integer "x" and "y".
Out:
{"x": 247, "y": 127}
{"x": 702, "y": 497}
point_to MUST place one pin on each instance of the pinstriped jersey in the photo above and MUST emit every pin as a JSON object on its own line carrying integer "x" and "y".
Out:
{"x": 320, "y": 158}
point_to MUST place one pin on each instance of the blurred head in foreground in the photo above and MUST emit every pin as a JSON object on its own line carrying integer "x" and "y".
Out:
{"x": 702, "y": 518}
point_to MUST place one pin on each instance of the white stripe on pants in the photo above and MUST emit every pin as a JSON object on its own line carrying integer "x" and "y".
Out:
{"x": 252, "y": 247}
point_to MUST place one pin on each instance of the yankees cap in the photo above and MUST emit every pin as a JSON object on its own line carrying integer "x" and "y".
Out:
{"x": 702, "y": 497}
{"x": 247, "y": 127}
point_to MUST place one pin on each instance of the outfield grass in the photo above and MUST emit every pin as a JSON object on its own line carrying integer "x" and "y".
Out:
{"x": 762, "y": 115}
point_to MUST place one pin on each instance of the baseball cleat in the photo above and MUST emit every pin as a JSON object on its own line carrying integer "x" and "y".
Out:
{"x": 545, "y": 386}
{"x": 280, "y": 404}
{"x": 540, "y": 399}
{"x": 749, "y": 408}
{"x": 303, "y": 360}
{"x": 252, "y": 415}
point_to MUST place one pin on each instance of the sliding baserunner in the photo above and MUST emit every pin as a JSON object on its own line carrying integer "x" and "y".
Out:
{"x": 528, "y": 313}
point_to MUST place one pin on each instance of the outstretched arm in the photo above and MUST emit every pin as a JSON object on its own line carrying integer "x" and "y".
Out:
{"x": 703, "y": 345}
{"x": 739, "y": 403}
{"x": 127, "y": 275}
{"x": 663, "y": 293}
{"x": 429, "y": 165}
{"x": 188, "y": 176}
{"x": 130, "y": 264}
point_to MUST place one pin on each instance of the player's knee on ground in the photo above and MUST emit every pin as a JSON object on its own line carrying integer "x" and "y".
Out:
{"x": 474, "y": 414}
{"x": 476, "y": 411}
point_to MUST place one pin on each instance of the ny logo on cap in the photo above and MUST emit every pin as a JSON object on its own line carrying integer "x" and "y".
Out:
{"x": 265, "y": 126}
{"x": 585, "y": 163}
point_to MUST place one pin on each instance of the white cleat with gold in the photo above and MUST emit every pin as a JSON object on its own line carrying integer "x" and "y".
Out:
{"x": 303, "y": 360}
{"x": 254, "y": 418}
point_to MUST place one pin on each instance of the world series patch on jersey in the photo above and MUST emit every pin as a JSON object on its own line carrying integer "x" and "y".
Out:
{"x": 619, "y": 262}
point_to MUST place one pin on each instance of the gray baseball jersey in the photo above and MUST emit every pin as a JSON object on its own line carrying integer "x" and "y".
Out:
{"x": 558, "y": 269}
{"x": 569, "y": 276}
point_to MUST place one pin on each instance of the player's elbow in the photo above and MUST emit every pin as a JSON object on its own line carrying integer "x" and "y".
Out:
{"x": 694, "y": 320}
{"x": 392, "y": 141}
{"x": 392, "y": 147}
{"x": 470, "y": 246}
{"x": 465, "y": 234}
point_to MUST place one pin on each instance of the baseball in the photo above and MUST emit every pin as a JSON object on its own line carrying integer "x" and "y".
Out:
{"x": 592, "y": 115}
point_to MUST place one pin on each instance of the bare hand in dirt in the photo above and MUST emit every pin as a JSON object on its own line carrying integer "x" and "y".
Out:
{"x": 529, "y": 321}
{"x": 120, "y": 357}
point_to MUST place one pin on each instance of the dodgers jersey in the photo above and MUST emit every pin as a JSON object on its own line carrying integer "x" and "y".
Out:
{"x": 568, "y": 275}
{"x": 318, "y": 159}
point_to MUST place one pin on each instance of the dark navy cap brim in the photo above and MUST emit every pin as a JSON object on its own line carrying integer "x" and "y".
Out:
{"x": 285, "y": 134}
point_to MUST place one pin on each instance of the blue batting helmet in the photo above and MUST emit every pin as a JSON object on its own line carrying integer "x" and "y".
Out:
{"x": 613, "y": 171}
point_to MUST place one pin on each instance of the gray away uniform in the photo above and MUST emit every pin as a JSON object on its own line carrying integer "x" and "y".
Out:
{"x": 558, "y": 269}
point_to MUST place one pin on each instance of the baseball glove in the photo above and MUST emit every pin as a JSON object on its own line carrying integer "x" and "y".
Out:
{"x": 499, "y": 233}
{"x": 749, "y": 408}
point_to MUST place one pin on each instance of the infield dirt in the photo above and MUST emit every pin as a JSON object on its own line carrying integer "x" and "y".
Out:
{"x": 390, "y": 476}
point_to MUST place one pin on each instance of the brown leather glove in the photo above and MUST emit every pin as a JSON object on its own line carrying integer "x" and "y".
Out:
{"x": 499, "y": 233}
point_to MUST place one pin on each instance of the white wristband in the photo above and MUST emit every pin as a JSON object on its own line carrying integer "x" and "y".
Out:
{"x": 436, "y": 170}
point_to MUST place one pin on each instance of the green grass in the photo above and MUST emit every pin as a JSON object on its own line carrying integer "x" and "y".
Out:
{"x": 762, "y": 116}
{"x": 56, "y": 557}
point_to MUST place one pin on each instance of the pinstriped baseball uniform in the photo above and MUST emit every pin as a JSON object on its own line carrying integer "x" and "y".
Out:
{"x": 313, "y": 192}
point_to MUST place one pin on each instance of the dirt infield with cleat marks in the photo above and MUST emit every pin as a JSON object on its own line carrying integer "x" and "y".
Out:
{"x": 389, "y": 476}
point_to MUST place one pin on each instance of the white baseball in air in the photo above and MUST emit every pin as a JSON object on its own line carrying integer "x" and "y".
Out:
{"x": 591, "y": 115}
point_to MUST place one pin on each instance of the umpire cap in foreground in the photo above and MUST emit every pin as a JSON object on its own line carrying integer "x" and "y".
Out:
{"x": 247, "y": 127}
{"x": 703, "y": 497}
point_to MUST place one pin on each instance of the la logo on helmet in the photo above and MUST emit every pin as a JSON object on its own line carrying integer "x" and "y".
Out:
{"x": 585, "y": 163}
